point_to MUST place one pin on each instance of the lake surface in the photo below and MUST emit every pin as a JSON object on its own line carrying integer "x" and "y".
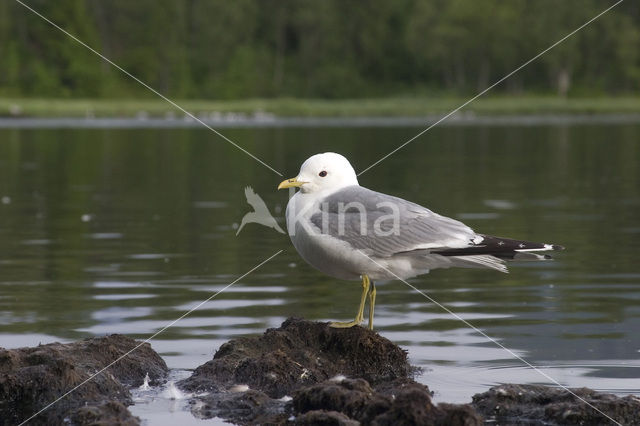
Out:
{"x": 123, "y": 230}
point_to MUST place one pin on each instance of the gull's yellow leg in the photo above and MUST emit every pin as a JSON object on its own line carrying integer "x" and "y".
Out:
{"x": 360, "y": 315}
{"x": 372, "y": 303}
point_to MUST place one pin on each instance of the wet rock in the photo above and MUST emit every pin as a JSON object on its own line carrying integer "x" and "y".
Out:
{"x": 400, "y": 402}
{"x": 31, "y": 378}
{"x": 302, "y": 373}
{"x": 352, "y": 397}
{"x": 412, "y": 405}
{"x": 249, "y": 407}
{"x": 332, "y": 376}
{"x": 543, "y": 405}
{"x": 300, "y": 353}
{"x": 108, "y": 413}
{"x": 324, "y": 418}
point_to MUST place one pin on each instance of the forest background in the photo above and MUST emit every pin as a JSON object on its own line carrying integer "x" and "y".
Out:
{"x": 213, "y": 50}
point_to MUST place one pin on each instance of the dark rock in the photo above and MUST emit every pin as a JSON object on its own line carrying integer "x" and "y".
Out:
{"x": 303, "y": 359}
{"x": 250, "y": 407}
{"x": 108, "y": 413}
{"x": 302, "y": 373}
{"x": 402, "y": 402}
{"x": 32, "y": 378}
{"x": 300, "y": 353}
{"x": 353, "y": 397}
{"x": 324, "y": 418}
{"x": 544, "y": 405}
{"x": 412, "y": 405}
{"x": 459, "y": 415}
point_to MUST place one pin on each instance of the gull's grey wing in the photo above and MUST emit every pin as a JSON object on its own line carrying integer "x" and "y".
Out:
{"x": 384, "y": 225}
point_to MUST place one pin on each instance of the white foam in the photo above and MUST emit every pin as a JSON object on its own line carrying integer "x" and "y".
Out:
{"x": 338, "y": 379}
{"x": 239, "y": 388}
{"x": 172, "y": 392}
{"x": 145, "y": 385}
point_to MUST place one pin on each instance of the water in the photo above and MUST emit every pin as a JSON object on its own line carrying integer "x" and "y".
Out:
{"x": 123, "y": 230}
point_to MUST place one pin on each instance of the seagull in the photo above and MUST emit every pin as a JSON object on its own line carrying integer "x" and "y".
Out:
{"x": 260, "y": 214}
{"x": 353, "y": 233}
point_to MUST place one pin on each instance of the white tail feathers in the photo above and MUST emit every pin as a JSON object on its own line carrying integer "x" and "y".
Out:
{"x": 480, "y": 261}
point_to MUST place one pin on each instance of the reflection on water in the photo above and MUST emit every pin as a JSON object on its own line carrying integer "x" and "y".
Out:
{"x": 121, "y": 231}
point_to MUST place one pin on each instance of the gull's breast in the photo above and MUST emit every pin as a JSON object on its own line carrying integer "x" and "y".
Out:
{"x": 324, "y": 252}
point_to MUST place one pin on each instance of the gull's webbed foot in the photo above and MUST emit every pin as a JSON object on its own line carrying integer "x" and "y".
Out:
{"x": 366, "y": 285}
{"x": 349, "y": 324}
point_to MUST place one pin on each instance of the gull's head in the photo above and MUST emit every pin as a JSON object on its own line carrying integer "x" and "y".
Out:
{"x": 323, "y": 172}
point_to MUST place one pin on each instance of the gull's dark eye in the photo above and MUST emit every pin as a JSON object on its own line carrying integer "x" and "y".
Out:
{"x": 322, "y": 173}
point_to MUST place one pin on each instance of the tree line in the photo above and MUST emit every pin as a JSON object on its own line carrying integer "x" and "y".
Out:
{"x": 321, "y": 49}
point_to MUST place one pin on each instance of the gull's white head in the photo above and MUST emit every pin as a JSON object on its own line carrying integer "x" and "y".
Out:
{"x": 328, "y": 171}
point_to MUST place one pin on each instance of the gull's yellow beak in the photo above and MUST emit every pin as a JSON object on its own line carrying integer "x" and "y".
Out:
{"x": 291, "y": 183}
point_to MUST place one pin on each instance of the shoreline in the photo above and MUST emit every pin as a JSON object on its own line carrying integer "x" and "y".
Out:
{"x": 401, "y": 107}
{"x": 234, "y": 120}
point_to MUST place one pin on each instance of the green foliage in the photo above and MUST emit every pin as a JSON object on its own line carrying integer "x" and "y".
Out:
{"x": 317, "y": 49}
{"x": 387, "y": 106}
